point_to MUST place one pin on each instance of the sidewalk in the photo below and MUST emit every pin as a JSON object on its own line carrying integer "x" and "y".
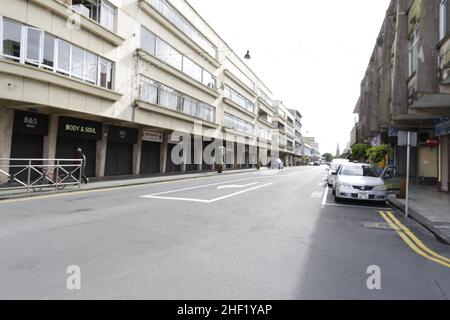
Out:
{"x": 428, "y": 207}
{"x": 115, "y": 182}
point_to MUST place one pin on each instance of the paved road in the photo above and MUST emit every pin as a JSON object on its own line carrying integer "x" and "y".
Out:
{"x": 267, "y": 235}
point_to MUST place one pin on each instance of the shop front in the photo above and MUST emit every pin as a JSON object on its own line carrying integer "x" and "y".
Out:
{"x": 119, "y": 151}
{"x": 150, "y": 154}
{"x": 442, "y": 131}
{"x": 76, "y": 133}
{"x": 29, "y": 130}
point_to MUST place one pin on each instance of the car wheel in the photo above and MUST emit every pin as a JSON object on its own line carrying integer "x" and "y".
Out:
{"x": 336, "y": 198}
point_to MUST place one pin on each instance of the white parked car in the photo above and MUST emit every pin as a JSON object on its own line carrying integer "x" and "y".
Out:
{"x": 359, "y": 181}
{"x": 334, "y": 166}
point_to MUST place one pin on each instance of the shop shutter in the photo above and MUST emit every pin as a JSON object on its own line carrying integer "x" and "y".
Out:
{"x": 445, "y": 162}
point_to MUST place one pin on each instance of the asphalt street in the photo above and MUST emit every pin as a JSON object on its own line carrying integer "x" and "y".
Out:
{"x": 255, "y": 235}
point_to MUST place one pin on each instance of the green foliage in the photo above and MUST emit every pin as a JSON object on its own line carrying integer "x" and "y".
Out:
{"x": 328, "y": 157}
{"x": 376, "y": 154}
{"x": 359, "y": 152}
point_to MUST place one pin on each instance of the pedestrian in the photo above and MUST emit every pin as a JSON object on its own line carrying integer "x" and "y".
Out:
{"x": 81, "y": 156}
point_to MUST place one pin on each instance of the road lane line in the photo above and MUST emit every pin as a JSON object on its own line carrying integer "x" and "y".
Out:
{"x": 177, "y": 199}
{"x": 409, "y": 242}
{"x": 413, "y": 237}
{"x": 324, "y": 200}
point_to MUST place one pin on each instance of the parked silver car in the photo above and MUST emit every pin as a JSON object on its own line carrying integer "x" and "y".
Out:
{"x": 276, "y": 163}
{"x": 334, "y": 166}
{"x": 359, "y": 181}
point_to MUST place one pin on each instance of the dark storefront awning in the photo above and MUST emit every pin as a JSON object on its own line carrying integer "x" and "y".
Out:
{"x": 434, "y": 103}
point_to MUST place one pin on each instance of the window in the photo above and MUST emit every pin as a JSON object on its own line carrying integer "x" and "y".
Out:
{"x": 167, "y": 54}
{"x": 444, "y": 17}
{"x": 33, "y": 45}
{"x": 192, "y": 70}
{"x": 12, "y": 34}
{"x": 413, "y": 50}
{"x": 105, "y": 70}
{"x": 99, "y": 10}
{"x": 163, "y": 51}
{"x": 90, "y": 67}
{"x": 148, "y": 41}
{"x": 185, "y": 27}
{"x": 237, "y": 124}
{"x": 77, "y": 62}
{"x": 49, "y": 51}
{"x": 239, "y": 74}
{"x": 63, "y": 56}
{"x": 239, "y": 99}
{"x": 163, "y": 96}
{"x": 108, "y": 16}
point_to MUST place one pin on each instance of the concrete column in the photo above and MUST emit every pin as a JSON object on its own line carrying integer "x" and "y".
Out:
{"x": 101, "y": 153}
{"x": 51, "y": 139}
{"x": 163, "y": 153}
{"x": 137, "y": 152}
{"x": 186, "y": 153}
{"x": 6, "y": 129}
{"x": 399, "y": 103}
{"x": 427, "y": 67}
{"x": 198, "y": 152}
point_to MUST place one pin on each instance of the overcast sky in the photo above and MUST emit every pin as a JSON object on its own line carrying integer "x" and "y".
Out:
{"x": 311, "y": 54}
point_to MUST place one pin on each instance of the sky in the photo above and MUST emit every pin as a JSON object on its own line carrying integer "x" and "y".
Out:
{"x": 311, "y": 54}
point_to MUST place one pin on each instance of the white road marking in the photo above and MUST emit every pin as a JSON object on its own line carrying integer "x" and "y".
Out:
{"x": 231, "y": 186}
{"x": 159, "y": 195}
{"x": 325, "y": 194}
{"x": 317, "y": 194}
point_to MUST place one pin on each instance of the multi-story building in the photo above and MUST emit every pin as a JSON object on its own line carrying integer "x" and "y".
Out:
{"x": 406, "y": 88}
{"x": 284, "y": 122}
{"x": 117, "y": 78}
{"x": 298, "y": 134}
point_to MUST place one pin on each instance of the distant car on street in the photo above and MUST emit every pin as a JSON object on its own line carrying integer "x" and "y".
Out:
{"x": 358, "y": 181}
{"x": 276, "y": 163}
{"x": 334, "y": 166}
{"x": 316, "y": 163}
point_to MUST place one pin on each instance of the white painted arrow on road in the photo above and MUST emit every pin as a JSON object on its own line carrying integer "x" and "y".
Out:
{"x": 232, "y": 186}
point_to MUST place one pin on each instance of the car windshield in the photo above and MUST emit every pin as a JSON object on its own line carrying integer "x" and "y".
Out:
{"x": 335, "y": 165}
{"x": 358, "y": 171}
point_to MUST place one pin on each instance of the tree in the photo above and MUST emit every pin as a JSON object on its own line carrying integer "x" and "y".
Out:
{"x": 328, "y": 157}
{"x": 359, "y": 152}
{"x": 379, "y": 153}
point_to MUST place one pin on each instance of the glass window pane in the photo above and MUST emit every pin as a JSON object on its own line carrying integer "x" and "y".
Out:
{"x": 63, "y": 56}
{"x": 105, "y": 73}
{"x": 11, "y": 38}
{"x": 148, "y": 41}
{"x": 192, "y": 69}
{"x": 90, "y": 67}
{"x": 77, "y": 61}
{"x": 165, "y": 53}
{"x": 49, "y": 50}
{"x": 33, "y": 44}
{"x": 107, "y": 16}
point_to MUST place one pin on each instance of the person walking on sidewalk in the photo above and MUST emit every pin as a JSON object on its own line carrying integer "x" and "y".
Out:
{"x": 81, "y": 156}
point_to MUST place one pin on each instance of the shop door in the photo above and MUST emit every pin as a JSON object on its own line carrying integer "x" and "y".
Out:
{"x": 66, "y": 149}
{"x": 150, "y": 157}
{"x": 119, "y": 159}
{"x": 428, "y": 163}
{"x": 171, "y": 167}
{"x": 27, "y": 146}
{"x": 205, "y": 165}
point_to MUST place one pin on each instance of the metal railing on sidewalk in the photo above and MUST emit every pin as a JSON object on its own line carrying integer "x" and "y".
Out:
{"x": 39, "y": 174}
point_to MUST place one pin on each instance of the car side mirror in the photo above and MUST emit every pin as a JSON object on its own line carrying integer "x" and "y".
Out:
{"x": 334, "y": 173}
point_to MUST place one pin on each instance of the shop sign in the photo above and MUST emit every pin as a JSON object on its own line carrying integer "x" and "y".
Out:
{"x": 152, "y": 136}
{"x": 442, "y": 128}
{"x": 79, "y": 128}
{"x": 122, "y": 134}
{"x": 30, "y": 123}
